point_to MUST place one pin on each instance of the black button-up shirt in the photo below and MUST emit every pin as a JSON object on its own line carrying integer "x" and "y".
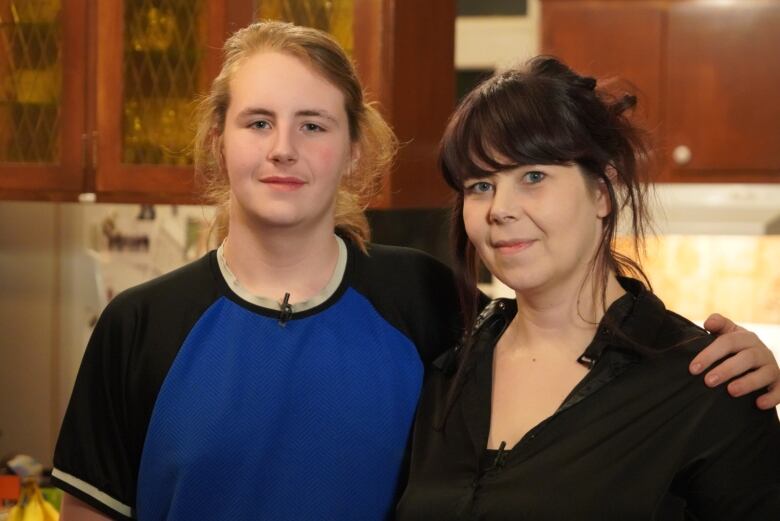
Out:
{"x": 637, "y": 438}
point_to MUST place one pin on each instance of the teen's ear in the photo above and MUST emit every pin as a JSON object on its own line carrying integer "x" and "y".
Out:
{"x": 217, "y": 144}
{"x": 355, "y": 157}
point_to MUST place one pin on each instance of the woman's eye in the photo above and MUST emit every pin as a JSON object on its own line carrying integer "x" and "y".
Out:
{"x": 262, "y": 124}
{"x": 480, "y": 187}
{"x": 533, "y": 177}
{"x": 312, "y": 127}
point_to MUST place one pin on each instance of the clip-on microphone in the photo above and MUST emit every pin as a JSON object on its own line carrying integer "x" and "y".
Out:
{"x": 285, "y": 310}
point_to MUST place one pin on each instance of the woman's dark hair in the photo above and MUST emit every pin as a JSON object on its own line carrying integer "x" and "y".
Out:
{"x": 545, "y": 113}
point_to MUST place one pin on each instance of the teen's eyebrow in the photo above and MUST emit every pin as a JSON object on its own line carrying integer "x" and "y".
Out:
{"x": 260, "y": 111}
{"x": 318, "y": 114}
{"x": 256, "y": 111}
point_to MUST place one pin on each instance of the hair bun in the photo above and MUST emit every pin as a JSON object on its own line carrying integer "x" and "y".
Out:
{"x": 624, "y": 103}
{"x": 589, "y": 82}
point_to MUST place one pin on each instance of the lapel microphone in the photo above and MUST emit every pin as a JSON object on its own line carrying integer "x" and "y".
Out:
{"x": 285, "y": 310}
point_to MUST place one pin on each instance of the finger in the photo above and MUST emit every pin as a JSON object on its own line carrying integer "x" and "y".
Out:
{"x": 753, "y": 381}
{"x": 722, "y": 346}
{"x": 734, "y": 366}
{"x": 769, "y": 399}
{"x": 715, "y": 322}
{"x": 718, "y": 324}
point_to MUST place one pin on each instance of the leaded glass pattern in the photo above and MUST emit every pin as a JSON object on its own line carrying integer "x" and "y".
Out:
{"x": 333, "y": 16}
{"x": 30, "y": 80}
{"x": 163, "y": 55}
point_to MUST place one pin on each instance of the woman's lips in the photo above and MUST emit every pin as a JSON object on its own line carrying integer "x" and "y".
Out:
{"x": 512, "y": 246}
{"x": 284, "y": 183}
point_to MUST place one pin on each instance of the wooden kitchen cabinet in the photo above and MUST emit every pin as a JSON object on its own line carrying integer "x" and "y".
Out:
{"x": 100, "y": 94}
{"x": 405, "y": 55}
{"x": 114, "y": 83}
{"x": 706, "y": 73}
{"x": 42, "y": 108}
{"x": 153, "y": 58}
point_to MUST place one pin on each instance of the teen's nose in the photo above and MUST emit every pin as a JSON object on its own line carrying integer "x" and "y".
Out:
{"x": 282, "y": 150}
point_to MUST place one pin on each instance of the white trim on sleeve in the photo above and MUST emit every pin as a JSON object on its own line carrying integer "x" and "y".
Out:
{"x": 93, "y": 492}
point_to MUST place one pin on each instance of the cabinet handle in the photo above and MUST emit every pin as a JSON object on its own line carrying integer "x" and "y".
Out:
{"x": 681, "y": 155}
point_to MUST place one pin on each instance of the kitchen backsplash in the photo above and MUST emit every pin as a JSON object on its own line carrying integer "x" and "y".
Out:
{"x": 696, "y": 275}
{"x": 738, "y": 276}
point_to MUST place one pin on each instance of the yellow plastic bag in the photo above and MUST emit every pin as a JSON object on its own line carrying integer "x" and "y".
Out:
{"x": 32, "y": 506}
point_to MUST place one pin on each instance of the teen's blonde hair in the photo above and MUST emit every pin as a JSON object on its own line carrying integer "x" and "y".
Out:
{"x": 367, "y": 129}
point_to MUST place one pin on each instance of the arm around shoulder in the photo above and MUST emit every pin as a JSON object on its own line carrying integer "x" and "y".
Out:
{"x": 743, "y": 357}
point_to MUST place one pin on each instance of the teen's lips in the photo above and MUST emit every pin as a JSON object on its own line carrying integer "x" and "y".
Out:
{"x": 284, "y": 183}
{"x": 512, "y": 245}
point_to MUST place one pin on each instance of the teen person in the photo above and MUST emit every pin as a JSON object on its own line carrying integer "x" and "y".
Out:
{"x": 277, "y": 377}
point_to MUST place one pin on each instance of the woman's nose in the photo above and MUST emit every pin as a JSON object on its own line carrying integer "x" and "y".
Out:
{"x": 505, "y": 207}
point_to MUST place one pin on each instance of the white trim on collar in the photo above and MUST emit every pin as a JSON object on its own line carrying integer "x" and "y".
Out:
{"x": 328, "y": 291}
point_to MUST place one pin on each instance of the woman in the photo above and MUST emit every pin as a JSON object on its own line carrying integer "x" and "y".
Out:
{"x": 277, "y": 377}
{"x": 573, "y": 400}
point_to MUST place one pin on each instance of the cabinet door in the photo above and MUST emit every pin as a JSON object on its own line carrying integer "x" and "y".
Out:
{"x": 722, "y": 100}
{"x": 405, "y": 52}
{"x": 154, "y": 57}
{"x": 42, "y": 77}
{"x": 610, "y": 39}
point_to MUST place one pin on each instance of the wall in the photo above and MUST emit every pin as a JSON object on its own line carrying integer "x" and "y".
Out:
{"x": 56, "y": 274}
{"x": 489, "y": 42}
{"x": 29, "y": 274}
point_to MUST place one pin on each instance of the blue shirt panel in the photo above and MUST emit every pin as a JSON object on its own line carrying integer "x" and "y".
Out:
{"x": 259, "y": 421}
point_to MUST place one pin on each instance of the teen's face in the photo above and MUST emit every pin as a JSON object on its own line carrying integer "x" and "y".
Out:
{"x": 535, "y": 227}
{"x": 286, "y": 143}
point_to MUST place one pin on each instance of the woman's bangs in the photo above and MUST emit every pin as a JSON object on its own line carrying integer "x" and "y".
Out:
{"x": 474, "y": 147}
{"x": 508, "y": 123}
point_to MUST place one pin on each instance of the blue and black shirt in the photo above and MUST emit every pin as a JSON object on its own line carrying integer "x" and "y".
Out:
{"x": 195, "y": 400}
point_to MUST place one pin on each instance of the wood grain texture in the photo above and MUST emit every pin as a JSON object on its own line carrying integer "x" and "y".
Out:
{"x": 707, "y": 72}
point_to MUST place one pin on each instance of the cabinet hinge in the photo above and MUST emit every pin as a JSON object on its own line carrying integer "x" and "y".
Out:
{"x": 94, "y": 150}
{"x": 85, "y": 152}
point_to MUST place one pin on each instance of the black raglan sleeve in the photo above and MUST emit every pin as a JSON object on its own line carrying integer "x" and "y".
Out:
{"x": 127, "y": 358}
{"x": 416, "y": 293}
{"x": 94, "y": 459}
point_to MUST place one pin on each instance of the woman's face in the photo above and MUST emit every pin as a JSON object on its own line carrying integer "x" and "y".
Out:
{"x": 536, "y": 227}
{"x": 286, "y": 143}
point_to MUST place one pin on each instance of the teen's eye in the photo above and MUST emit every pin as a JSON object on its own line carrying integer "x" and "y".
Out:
{"x": 533, "y": 177}
{"x": 312, "y": 127}
{"x": 479, "y": 187}
{"x": 260, "y": 124}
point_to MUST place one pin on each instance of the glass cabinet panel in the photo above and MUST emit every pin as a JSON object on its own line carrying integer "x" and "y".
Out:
{"x": 333, "y": 16}
{"x": 30, "y": 81}
{"x": 164, "y": 43}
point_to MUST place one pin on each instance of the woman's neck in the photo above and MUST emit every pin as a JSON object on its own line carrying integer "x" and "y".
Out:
{"x": 564, "y": 319}
{"x": 271, "y": 262}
